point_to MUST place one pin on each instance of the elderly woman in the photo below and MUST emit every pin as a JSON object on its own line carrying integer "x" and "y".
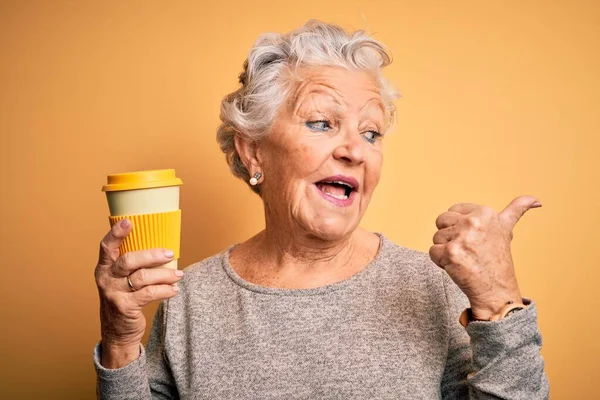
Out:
{"x": 314, "y": 306}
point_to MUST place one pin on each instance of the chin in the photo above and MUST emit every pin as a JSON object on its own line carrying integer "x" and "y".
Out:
{"x": 332, "y": 228}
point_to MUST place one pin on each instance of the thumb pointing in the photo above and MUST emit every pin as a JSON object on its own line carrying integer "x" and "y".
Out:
{"x": 517, "y": 208}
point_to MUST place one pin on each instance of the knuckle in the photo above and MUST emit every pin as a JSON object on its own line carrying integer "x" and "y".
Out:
{"x": 152, "y": 292}
{"x": 432, "y": 254}
{"x": 469, "y": 245}
{"x": 142, "y": 275}
{"x": 438, "y": 220}
{"x": 106, "y": 252}
{"x": 114, "y": 232}
{"x": 97, "y": 273}
{"x": 101, "y": 279}
{"x": 438, "y": 237}
{"x": 114, "y": 300}
{"x": 126, "y": 260}
{"x": 474, "y": 221}
{"x": 452, "y": 250}
{"x": 112, "y": 297}
{"x": 121, "y": 305}
{"x": 104, "y": 246}
{"x": 486, "y": 211}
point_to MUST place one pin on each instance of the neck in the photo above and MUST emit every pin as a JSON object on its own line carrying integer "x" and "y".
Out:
{"x": 281, "y": 256}
{"x": 300, "y": 262}
{"x": 286, "y": 245}
{"x": 304, "y": 251}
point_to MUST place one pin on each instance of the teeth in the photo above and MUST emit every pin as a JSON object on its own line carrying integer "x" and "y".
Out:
{"x": 340, "y": 183}
{"x": 340, "y": 197}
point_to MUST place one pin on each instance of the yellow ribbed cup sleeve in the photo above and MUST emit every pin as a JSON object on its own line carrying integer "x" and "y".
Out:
{"x": 160, "y": 230}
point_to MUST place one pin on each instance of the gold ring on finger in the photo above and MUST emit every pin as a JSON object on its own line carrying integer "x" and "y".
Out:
{"x": 130, "y": 284}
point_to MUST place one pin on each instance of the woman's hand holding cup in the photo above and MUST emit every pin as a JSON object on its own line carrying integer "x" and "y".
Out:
{"x": 126, "y": 283}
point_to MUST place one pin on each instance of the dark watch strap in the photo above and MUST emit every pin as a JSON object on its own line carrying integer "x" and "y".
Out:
{"x": 513, "y": 311}
{"x": 467, "y": 316}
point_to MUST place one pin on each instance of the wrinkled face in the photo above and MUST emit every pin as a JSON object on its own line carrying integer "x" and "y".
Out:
{"x": 323, "y": 156}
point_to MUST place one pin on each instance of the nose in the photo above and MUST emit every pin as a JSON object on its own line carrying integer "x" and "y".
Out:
{"x": 351, "y": 149}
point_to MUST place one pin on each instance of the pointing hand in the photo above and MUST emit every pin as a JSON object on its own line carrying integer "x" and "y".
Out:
{"x": 473, "y": 245}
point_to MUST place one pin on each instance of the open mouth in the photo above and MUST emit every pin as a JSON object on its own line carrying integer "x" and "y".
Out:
{"x": 336, "y": 189}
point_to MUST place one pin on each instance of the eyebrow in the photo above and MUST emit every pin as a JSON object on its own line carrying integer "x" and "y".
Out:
{"x": 380, "y": 105}
{"x": 318, "y": 89}
{"x": 304, "y": 88}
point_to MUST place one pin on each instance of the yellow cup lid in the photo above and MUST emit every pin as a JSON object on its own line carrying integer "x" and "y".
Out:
{"x": 141, "y": 180}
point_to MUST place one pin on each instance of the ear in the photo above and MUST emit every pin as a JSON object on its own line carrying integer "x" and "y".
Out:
{"x": 248, "y": 153}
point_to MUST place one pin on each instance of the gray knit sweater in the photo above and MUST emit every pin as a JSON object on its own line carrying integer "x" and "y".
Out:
{"x": 389, "y": 332}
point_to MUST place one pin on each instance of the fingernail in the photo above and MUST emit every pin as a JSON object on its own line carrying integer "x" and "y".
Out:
{"x": 169, "y": 253}
{"x": 536, "y": 204}
{"x": 176, "y": 288}
{"x": 125, "y": 223}
{"x": 178, "y": 272}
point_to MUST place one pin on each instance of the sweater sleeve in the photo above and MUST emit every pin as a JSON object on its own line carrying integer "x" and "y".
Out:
{"x": 148, "y": 377}
{"x": 493, "y": 360}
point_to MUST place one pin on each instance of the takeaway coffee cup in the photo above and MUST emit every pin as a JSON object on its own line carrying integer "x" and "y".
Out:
{"x": 150, "y": 200}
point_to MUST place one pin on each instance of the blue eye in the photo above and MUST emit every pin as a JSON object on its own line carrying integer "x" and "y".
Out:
{"x": 322, "y": 125}
{"x": 371, "y": 136}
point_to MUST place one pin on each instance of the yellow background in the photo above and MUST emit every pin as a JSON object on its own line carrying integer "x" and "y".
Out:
{"x": 500, "y": 98}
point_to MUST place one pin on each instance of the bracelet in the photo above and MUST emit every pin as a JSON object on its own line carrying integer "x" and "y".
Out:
{"x": 467, "y": 315}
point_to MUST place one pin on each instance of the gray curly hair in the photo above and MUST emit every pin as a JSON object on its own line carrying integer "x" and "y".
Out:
{"x": 249, "y": 111}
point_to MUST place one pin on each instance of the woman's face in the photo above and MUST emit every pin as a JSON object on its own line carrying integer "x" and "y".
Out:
{"x": 323, "y": 157}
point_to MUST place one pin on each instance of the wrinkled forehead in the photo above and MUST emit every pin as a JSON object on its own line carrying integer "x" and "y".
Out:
{"x": 337, "y": 89}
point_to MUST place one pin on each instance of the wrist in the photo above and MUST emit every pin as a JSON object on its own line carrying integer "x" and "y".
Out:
{"x": 117, "y": 356}
{"x": 487, "y": 314}
{"x": 489, "y": 310}
{"x": 510, "y": 307}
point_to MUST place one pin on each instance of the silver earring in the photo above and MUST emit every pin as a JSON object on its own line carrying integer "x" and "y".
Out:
{"x": 255, "y": 178}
